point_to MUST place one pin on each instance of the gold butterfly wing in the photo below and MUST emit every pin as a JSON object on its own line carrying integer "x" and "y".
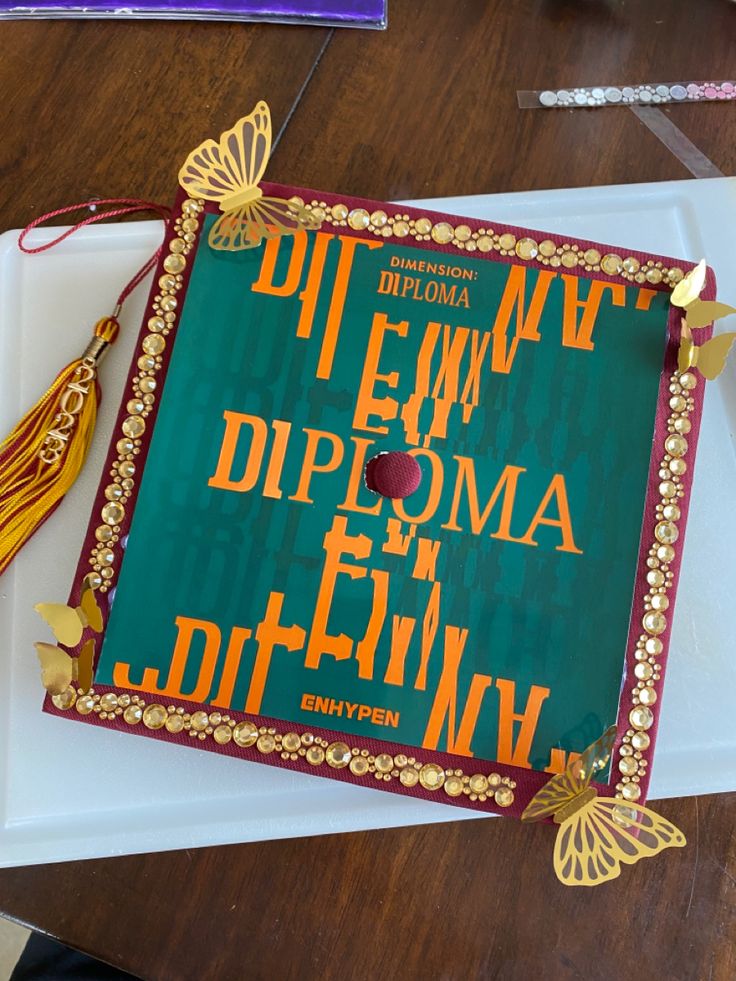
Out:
{"x": 216, "y": 171}
{"x": 91, "y": 611}
{"x": 709, "y": 358}
{"x": 65, "y": 622}
{"x": 56, "y": 668}
{"x": 592, "y": 844}
{"x": 690, "y": 286}
{"x": 248, "y": 225}
{"x": 83, "y": 666}
{"x": 565, "y": 787}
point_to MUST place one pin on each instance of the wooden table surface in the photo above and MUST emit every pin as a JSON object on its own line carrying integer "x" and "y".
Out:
{"x": 426, "y": 108}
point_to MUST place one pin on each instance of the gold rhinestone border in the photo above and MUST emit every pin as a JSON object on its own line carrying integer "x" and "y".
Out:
{"x": 568, "y": 255}
{"x": 106, "y": 552}
{"x": 633, "y": 759}
{"x": 222, "y": 729}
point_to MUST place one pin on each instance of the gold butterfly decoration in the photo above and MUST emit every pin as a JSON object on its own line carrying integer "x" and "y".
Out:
{"x": 708, "y": 358}
{"x": 597, "y": 834}
{"x": 228, "y": 172}
{"x": 58, "y": 668}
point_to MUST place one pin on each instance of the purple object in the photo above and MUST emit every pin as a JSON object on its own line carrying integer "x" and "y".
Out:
{"x": 339, "y": 13}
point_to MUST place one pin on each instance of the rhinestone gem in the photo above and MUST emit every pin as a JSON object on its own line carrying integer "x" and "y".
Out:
{"x": 612, "y": 264}
{"x": 105, "y": 556}
{"x": 667, "y": 488}
{"x": 640, "y": 741}
{"x": 222, "y": 735}
{"x": 569, "y": 259}
{"x": 547, "y": 248}
{"x": 401, "y": 229}
{"x": 291, "y": 742}
{"x": 103, "y": 533}
{"x": 677, "y": 466}
{"x": 134, "y": 426}
{"x": 485, "y": 244}
{"x": 643, "y": 670}
{"x": 631, "y": 791}
{"x": 339, "y": 212}
{"x": 199, "y": 721}
{"x": 504, "y": 796}
{"x": 174, "y": 723}
{"x": 660, "y": 602}
{"x": 442, "y": 232}
{"x": 191, "y": 207}
{"x": 454, "y": 786}
{"x": 85, "y": 704}
{"x": 655, "y": 577}
{"x": 168, "y": 304}
{"x": 133, "y": 714}
{"x": 65, "y": 700}
{"x": 478, "y": 783}
{"x": 409, "y": 777}
{"x": 113, "y": 513}
{"x": 431, "y": 776}
{"x": 527, "y": 248}
{"x": 678, "y": 403}
{"x": 153, "y": 344}
{"x": 338, "y": 755}
{"x": 109, "y": 702}
{"x": 665, "y": 553}
{"x": 494, "y": 779}
{"x": 463, "y": 233}
{"x": 156, "y": 324}
{"x": 384, "y": 763}
{"x": 676, "y": 445}
{"x": 682, "y": 425}
{"x": 266, "y": 743}
{"x": 548, "y": 98}
{"x": 631, "y": 265}
{"x": 154, "y": 717}
{"x": 666, "y": 532}
{"x": 654, "y": 623}
{"x": 245, "y": 734}
{"x": 175, "y": 263}
{"x": 315, "y": 755}
{"x": 654, "y": 275}
{"x": 359, "y": 766}
{"x": 688, "y": 381}
{"x": 359, "y": 219}
{"x": 613, "y": 94}
{"x": 647, "y": 696}
{"x": 422, "y": 225}
{"x": 592, "y": 257}
{"x": 641, "y": 717}
{"x": 628, "y": 766}
{"x": 113, "y": 492}
{"x": 671, "y": 512}
{"x": 507, "y": 241}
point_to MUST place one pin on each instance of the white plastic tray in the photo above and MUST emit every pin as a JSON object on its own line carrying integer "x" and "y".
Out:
{"x": 68, "y": 791}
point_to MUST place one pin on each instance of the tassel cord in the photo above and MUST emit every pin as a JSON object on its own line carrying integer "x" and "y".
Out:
{"x": 41, "y": 458}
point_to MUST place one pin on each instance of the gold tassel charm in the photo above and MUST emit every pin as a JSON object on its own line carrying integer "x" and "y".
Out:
{"x": 43, "y": 455}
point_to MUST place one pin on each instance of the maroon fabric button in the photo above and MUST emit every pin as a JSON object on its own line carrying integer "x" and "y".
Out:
{"x": 394, "y": 475}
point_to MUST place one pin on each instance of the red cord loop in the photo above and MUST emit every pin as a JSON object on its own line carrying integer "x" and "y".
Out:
{"x": 122, "y": 206}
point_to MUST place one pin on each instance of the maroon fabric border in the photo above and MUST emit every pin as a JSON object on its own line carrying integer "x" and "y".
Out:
{"x": 528, "y": 782}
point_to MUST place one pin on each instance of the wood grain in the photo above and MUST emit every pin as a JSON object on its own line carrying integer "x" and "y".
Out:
{"x": 456, "y": 901}
{"x": 424, "y": 109}
{"x": 430, "y": 108}
{"x": 110, "y": 109}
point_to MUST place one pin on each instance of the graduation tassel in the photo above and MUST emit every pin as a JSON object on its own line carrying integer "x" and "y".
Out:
{"x": 43, "y": 455}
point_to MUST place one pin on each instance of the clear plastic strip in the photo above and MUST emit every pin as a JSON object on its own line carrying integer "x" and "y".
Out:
{"x": 644, "y": 94}
{"x": 676, "y": 142}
